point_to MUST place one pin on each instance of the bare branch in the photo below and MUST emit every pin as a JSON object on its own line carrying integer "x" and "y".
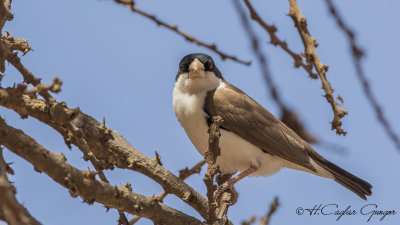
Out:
{"x": 357, "y": 54}
{"x": 84, "y": 184}
{"x": 311, "y": 57}
{"x": 99, "y": 165}
{"x": 54, "y": 87}
{"x": 16, "y": 44}
{"x": 251, "y": 220}
{"x": 288, "y": 117}
{"x": 131, "y": 5}
{"x": 10, "y": 210}
{"x": 7, "y": 45}
{"x": 105, "y": 144}
{"x": 29, "y": 78}
{"x": 5, "y": 15}
{"x": 211, "y": 158}
{"x": 271, "y": 30}
{"x": 183, "y": 174}
{"x": 21, "y": 89}
{"x": 272, "y": 209}
{"x": 87, "y": 133}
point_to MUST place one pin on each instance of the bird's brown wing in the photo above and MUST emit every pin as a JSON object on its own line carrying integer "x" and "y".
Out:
{"x": 249, "y": 120}
{"x": 246, "y": 118}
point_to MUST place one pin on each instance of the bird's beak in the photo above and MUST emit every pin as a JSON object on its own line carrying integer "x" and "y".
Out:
{"x": 196, "y": 68}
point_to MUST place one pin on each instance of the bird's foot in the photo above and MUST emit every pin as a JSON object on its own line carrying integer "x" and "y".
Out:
{"x": 228, "y": 185}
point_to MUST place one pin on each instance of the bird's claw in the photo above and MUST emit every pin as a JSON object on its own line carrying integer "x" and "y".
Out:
{"x": 224, "y": 187}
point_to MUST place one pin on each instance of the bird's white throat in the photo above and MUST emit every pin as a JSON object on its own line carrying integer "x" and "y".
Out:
{"x": 188, "y": 101}
{"x": 199, "y": 84}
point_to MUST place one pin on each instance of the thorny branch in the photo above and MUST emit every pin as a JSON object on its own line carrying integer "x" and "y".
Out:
{"x": 29, "y": 78}
{"x": 217, "y": 212}
{"x": 58, "y": 116}
{"x": 21, "y": 89}
{"x": 84, "y": 183}
{"x": 131, "y": 5}
{"x": 183, "y": 174}
{"x": 357, "y": 54}
{"x": 105, "y": 144}
{"x": 310, "y": 44}
{"x": 272, "y": 209}
{"x": 10, "y": 210}
{"x": 5, "y": 15}
{"x": 16, "y": 44}
{"x": 288, "y": 117}
{"x": 271, "y": 30}
{"x": 99, "y": 165}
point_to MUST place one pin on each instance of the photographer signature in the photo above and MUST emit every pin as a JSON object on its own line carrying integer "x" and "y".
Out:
{"x": 369, "y": 210}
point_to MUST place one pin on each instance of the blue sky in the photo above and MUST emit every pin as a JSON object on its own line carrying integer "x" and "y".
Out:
{"x": 122, "y": 66}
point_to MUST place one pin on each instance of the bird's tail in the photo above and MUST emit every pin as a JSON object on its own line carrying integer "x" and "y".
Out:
{"x": 348, "y": 180}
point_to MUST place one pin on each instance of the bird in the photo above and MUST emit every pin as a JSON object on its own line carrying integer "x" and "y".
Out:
{"x": 253, "y": 141}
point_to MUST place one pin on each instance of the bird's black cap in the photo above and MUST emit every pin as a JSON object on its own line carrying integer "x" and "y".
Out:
{"x": 207, "y": 61}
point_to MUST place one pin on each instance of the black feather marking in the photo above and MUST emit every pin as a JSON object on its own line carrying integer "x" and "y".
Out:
{"x": 207, "y": 61}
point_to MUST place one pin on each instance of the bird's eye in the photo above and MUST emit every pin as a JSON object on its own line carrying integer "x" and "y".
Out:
{"x": 183, "y": 68}
{"x": 209, "y": 66}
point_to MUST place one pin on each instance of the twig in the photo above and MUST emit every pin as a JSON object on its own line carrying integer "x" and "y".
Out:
{"x": 84, "y": 183}
{"x": 16, "y": 44}
{"x": 251, "y": 220}
{"x": 288, "y": 117}
{"x": 7, "y": 45}
{"x": 21, "y": 89}
{"x": 5, "y": 15}
{"x": 311, "y": 57}
{"x": 357, "y": 54}
{"x": 211, "y": 158}
{"x": 271, "y": 30}
{"x": 260, "y": 56}
{"x": 54, "y": 87}
{"x": 99, "y": 166}
{"x": 131, "y": 5}
{"x": 272, "y": 209}
{"x": 10, "y": 210}
{"x": 29, "y": 78}
{"x": 183, "y": 174}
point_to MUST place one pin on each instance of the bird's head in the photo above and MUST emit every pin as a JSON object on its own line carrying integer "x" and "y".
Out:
{"x": 197, "y": 72}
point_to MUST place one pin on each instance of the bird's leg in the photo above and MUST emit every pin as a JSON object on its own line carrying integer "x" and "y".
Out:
{"x": 229, "y": 185}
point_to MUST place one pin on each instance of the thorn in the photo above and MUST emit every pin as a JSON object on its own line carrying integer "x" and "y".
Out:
{"x": 9, "y": 169}
{"x": 158, "y": 158}
{"x": 128, "y": 186}
{"x": 63, "y": 158}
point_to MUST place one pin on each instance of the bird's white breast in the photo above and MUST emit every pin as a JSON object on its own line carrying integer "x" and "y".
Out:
{"x": 237, "y": 154}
